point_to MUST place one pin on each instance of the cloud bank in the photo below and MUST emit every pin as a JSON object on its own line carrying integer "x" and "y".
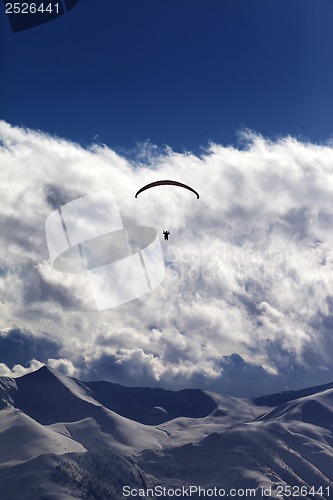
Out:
{"x": 246, "y": 307}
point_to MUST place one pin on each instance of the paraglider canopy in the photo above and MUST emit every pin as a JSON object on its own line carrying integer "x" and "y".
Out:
{"x": 167, "y": 183}
{"x": 168, "y": 205}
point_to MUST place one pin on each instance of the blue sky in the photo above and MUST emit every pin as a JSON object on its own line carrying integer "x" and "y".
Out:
{"x": 180, "y": 73}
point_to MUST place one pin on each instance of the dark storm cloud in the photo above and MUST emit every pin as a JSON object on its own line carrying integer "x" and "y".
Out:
{"x": 21, "y": 347}
{"x": 133, "y": 371}
{"x": 241, "y": 378}
{"x": 37, "y": 290}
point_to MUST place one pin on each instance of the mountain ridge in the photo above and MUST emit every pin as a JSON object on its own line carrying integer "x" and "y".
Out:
{"x": 60, "y": 442}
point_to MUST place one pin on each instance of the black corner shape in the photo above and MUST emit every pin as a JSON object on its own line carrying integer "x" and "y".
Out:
{"x": 23, "y": 15}
{"x": 70, "y": 4}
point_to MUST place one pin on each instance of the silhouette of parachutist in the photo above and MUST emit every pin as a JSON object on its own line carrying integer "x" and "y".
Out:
{"x": 166, "y": 235}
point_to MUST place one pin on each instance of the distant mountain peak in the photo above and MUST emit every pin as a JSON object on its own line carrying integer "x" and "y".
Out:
{"x": 280, "y": 398}
{"x": 44, "y": 370}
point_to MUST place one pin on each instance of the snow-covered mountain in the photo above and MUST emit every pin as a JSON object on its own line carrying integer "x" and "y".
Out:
{"x": 63, "y": 439}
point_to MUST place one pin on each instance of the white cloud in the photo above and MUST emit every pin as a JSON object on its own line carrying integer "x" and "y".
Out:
{"x": 249, "y": 265}
{"x": 64, "y": 366}
{"x": 19, "y": 370}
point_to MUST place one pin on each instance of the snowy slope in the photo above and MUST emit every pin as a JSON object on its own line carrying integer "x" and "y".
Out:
{"x": 289, "y": 445}
{"x": 22, "y": 438}
{"x": 61, "y": 439}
